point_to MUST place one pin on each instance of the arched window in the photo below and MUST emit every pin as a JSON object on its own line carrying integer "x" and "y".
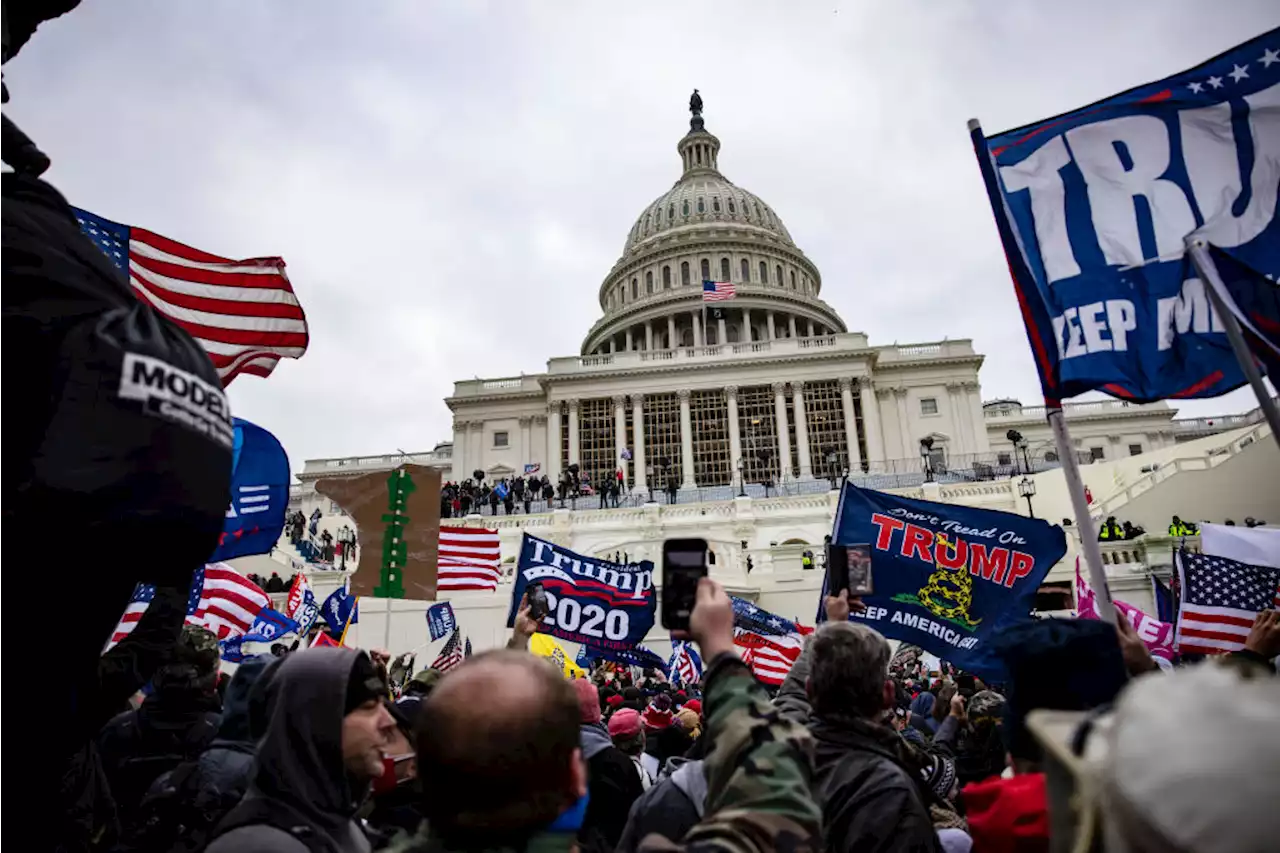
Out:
{"x": 711, "y": 333}
{"x": 697, "y": 153}
{"x": 706, "y": 270}
{"x": 793, "y": 279}
{"x": 702, "y": 205}
{"x": 671, "y": 211}
{"x": 746, "y": 270}
{"x": 724, "y": 269}
{"x": 732, "y": 333}
{"x": 732, "y": 209}
{"x": 764, "y": 273}
{"x": 779, "y": 272}
{"x": 666, "y": 277}
{"x": 685, "y": 207}
{"x": 715, "y": 204}
{"x": 635, "y": 289}
{"x": 648, "y": 282}
{"x": 686, "y": 337}
{"x": 684, "y": 273}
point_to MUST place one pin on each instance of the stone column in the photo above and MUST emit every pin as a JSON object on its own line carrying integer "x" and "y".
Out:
{"x": 802, "y": 429}
{"x": 722, "y": 335}
{"x": 526, "y": 441}
{"x": 697, "y": 329}
{"x": 648, "y": 335}
{"x": 791, "y": 324}
{"x": 784, "y": 436}
{"x": 957, "y": 405}
{"x": 735, "y": 440}
{"x": 686, "y": 440}
{"x": 909, "y": 441}
{"x": 613, "y": 344}
{"x": 672, "y": 343}
{"x": 619, "y": 430}
{"x": 768, "y": 318}
{"x": 746, "y": 325}
{"x": 573, "y": 432}
{"x": 850, "y": 425}
{"x": 477, "y": 444}
{"x": 811, "y": 328}
{"x": 638, "y": 457}
{"x": 628, "y": 349}
{"x": 871, "y": 420}
{"x": 460, "y": 449}
{"x": 552, "y": 468}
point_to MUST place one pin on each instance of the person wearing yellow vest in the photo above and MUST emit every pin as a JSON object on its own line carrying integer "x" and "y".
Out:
{"x": 1178, "y": 527}
{"x": 1110, "y": 530}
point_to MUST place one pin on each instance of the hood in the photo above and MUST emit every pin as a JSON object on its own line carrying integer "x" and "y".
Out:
{"x": 1008, "y": 815}
{"x": 691, "y": 778}
{"x": 595, "y": 740}
{"x": 235, "y": 704}
{"x": 300, "y": 756}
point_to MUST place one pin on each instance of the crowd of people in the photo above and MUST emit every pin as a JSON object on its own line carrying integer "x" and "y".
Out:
{"x": 478, "y": 495}
{"x": 274, "y": 583}
{"x": 336, "y": 749}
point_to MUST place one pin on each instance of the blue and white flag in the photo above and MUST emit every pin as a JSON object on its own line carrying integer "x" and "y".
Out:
{"x": 259, "y": 494}
{"x": 685, "y": 666}
{"x": 591, "y": 601}
{"x": 638, "y": 656}
{"x": 751, "y": 617}
{"x": 270, "y": 626}
{"x": 440, "y": 620}
{"x": 1093, "y": 208}
{"x": 340, "y": 610}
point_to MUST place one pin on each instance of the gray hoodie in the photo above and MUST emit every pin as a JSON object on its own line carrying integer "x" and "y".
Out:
{"x": 299, "y": 771}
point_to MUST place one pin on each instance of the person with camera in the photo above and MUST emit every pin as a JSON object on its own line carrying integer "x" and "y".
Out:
{"x": 501, "y": 764}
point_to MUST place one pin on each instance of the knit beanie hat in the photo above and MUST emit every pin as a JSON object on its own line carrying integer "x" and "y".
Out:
{"x": 694, "y": 705}
{"x": 689, "y": 721}
{"x": 940, "y": 774}
{"x": 364, "y": 684}
{"x": 588, "y": 700}
{"x": 624, "y": 723}
{"x": 656, "y": 718}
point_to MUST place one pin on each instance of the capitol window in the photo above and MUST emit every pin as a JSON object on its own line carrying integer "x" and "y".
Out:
{"x": 635, "y": 289}
{"x": 928, "y": 406}
{"x": 671, "y": 211}
{"x": 764, "y": 273}
{"x": 746, "y": 270}
{"x": 779, "y": 271}
{"x": 1097, "y": 454}
{"x": 724, "y": 269}
{"x": 648, "y": 282}
{"x": 666, "y": 278}
{"x": 732, "y": 209}
{"x": 702, "y": 206}
{"x": 706, "y": 270}
{"x": 685, "y": 207}
{"x": 501, "y": 439}
{"x": 684, "y": 273}
{"x": 715, "y": 205}
{"x": 793, "y": 279}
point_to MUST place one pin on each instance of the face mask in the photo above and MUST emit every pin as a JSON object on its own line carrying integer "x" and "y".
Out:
{"x": 388, "y": 780}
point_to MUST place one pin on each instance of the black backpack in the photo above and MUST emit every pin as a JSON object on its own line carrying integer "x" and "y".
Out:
{"x": 179, "y": 813}
{"x": 260, "y": 812}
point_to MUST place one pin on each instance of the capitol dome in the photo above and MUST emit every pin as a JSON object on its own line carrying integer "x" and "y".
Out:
{"x": 705, "y": 228}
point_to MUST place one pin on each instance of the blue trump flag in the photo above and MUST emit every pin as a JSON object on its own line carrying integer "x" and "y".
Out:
{"x": 440, "y": 620}
{"x": 593, "y": 602}
{"x": 259, "y": 494}
{"x": 269, "y": 626}
{"x": 1093, "y": 208}
{"x": 340, "y": 609}
{"x": 639, "y": 656}
{"x": 946, "y": 575}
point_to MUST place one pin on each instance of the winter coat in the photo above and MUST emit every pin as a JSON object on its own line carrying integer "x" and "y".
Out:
{"x": 1008, "y": 815}
{"x": 300, "y": 794}
{"x": 613, "y": 787}
{"x": 670, "y": 808}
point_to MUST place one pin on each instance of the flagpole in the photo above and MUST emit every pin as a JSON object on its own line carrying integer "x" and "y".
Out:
{"x": 1084, "y": 521}
{"x": 1218, "y": 294}
{"x": 342, "y": 641}
{"x": 386, "y": 630}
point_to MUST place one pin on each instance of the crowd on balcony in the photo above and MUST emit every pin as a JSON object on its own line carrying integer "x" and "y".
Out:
{"x": 275, "y": 583}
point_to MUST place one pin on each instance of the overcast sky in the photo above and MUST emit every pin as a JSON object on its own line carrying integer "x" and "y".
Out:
{"x": 449, "y": 182}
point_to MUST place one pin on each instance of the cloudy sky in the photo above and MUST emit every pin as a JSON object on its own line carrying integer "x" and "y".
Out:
{"x": 450, "y": 180}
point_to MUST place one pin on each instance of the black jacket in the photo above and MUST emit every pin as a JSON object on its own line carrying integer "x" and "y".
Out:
{"x": 614, "y": 786}
{"x": 670, "y": 808}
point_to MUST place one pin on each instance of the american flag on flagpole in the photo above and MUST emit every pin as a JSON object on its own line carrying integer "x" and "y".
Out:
{"x": 452, "y": 654}
{"x": 138, "y": 604}
{"x": 1220, "y": 600}
{"x": 243, "y": 313}
{"x": 224, "y": 601}
{"x": 469, "y": 558}
{"x": 770, "y": 657}
{"x": 718, "y": 291}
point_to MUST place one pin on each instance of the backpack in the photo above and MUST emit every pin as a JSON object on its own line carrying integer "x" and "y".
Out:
{"x": 260, "y": 812}
{"x": 179, "y": 813}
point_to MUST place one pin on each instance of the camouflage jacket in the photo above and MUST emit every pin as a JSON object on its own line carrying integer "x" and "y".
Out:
{"x": 759, "y": 775}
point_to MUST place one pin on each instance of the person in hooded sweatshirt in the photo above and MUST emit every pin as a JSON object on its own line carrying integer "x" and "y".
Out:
{"x": 326, "y": 737}
{"x": 674, "y": 804}
{"x": 612, "y": 783}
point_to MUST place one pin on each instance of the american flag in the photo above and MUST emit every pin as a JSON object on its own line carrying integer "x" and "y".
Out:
{"x": 452, "y": 654}
{"x": 770, "y": 657}
{"x": 469, "y": 558}
{"x": 224, "y": 601}
{"x": 243, "y": 313}
{"x": 138, "y": 604}
{"x": 685, "y": 667}
{"x": 1220, "y": 599}
{"x": 717, "y": 291}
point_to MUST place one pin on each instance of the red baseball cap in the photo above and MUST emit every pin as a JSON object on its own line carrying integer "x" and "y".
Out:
{"x": 624, "y": 723}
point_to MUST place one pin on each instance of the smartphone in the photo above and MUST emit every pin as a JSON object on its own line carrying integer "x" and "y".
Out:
{"x": 849, "y": 567}
{"x": 538, "y": 608}
{"x": 966, "y": 686}
{"x": 684, "y": 563}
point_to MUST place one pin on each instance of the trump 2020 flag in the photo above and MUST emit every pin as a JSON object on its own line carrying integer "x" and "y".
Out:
{"x": 945, "y": 574}
{"x": 270, "y": 626}
{"x": 259, "y": 494}
{"x": 340, "y": 610}
{"x": 440, "y": 620}
{"x": 1094, "y": 207}
{"x": 591, "y": 601}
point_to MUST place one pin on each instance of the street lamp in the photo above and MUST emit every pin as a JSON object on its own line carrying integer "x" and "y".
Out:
{"x": 1019, "y": 443}
{"x": 926, "y": 456}
{"x": 1027, "y": 488}
{"x": 742, "y": 478}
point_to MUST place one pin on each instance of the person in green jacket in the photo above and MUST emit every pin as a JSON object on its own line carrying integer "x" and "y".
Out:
{"x": 500, "y": 766}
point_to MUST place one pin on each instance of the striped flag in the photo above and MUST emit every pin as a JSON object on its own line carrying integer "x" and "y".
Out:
{"x": 224, "y": 601}
{"x": 138, "y": 604}
{"x": 1220, "y": 599}
{"x": 452, "y": 654}
{"x": 243, "y": 313}
{"x": 770, "y": 657}
{"x": 469, "y": 558}
{"x": 685, "y": 666}
{"x": 718, "y": 291}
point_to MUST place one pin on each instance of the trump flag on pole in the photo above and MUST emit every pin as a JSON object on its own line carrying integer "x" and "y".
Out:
{"x": 1094, "y": 208}
{"x": 259, "y": 494}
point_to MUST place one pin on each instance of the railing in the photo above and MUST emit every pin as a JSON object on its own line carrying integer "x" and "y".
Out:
{"x": 778, "y": 346}
{"x": 354, "y": 464}
{"x": 1095, "y": 407}
{"x": 1220, "y": 423}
